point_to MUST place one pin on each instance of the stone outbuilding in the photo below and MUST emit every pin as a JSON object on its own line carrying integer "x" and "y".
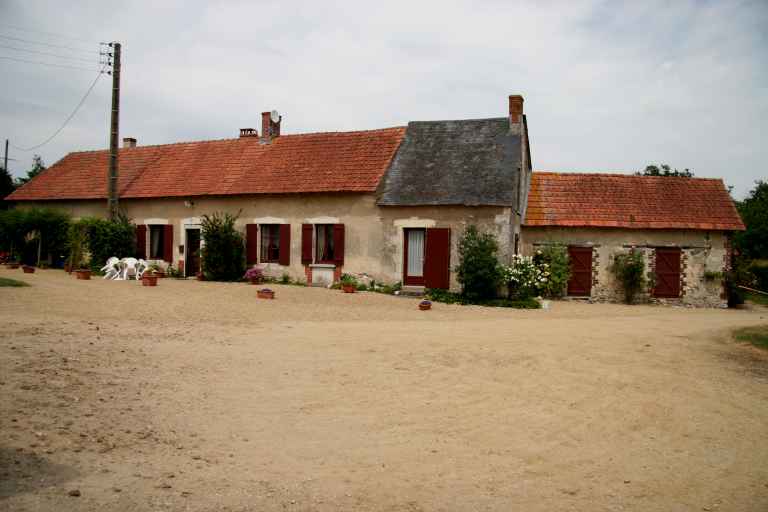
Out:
{"x": 682, "y": 226}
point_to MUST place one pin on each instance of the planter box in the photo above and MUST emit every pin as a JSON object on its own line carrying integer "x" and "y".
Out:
{"x": 83, "y": 274}
{"x": 348, "y": 288}
{"x": 149, "y": 281}
{"x": 425, "y": 305}
{"x": 265, "y": 294}
{"x": 28, "y": 270}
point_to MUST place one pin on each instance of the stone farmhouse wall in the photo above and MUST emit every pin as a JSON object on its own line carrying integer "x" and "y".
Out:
{"x": 373, "y": 235}
{"x": 701, "y": 251}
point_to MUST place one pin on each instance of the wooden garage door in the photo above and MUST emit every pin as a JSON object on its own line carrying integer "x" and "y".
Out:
{"x": 580, "y": 283}
{"x": 667, "y": 273}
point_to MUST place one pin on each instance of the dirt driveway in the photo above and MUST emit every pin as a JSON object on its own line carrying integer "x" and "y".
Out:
{"x": 197, "y": 396}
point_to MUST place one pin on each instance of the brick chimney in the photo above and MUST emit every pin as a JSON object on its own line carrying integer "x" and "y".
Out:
{"x": 515, "y": 109}
{"x": 129, "y": 142}
{"x": 269, "y": 128}
{"x": 248, "y": 132}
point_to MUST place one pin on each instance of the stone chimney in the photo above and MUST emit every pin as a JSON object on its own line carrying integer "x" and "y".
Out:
{"x": 129, "y": 142}
{"x": 269, "y": 128}
{"x": 515, "y": 109}
{"x": 248, "y": 132}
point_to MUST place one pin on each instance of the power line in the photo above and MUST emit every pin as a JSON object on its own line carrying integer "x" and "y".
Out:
{"x": 46, "y": 63}
{"x": 14, "y": 48}
{"x": 81, "y": 50}
{"x": 55, "y": 34}
{"x": 67, "y": 120}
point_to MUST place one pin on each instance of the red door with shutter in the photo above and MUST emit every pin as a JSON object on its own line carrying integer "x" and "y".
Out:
{"x": 580, "y": 283}
{"x": 667, "y": 273}
{"x": 437, "y": 258}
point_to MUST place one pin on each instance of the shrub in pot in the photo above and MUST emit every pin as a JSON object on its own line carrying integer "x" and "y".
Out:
{"x": 348, "y": 283}
{"x": 425, "y": 305}
{"x": 28, "y": 269}
{"x": 83, "y": 273}
{"x": 148, "y": 280}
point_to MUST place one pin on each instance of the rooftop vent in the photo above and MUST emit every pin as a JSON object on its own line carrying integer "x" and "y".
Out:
{"x": 249, "y": 132}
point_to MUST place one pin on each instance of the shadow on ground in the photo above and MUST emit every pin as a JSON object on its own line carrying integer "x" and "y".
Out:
{"x": 22, "y": 471}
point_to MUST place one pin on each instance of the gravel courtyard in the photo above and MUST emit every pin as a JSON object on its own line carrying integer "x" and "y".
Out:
{"x": 197, "y": 396}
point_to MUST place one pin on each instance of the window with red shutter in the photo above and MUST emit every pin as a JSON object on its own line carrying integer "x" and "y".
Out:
{"x": 338, "y": 244}
{"x": 306, "y": 244}
{"x": 285, "y": 245}
{"x": 251, "y": 244}
{"x": 168, "y": 243}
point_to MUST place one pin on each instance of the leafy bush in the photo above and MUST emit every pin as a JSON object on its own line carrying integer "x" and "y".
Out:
{"x": 478, "y": 272}
{"x": 107, "y": 238}
{"x": 348, "y": 280}
{"x": 223, "y": 255}
{"x": 446, "y": 297}
{"x": 34, "y": 235}
{"x": 629, "y": 269}
{"x": 524, "y": 277}
{"x": 559, "y": 268}
{"x": 759, "y": 269}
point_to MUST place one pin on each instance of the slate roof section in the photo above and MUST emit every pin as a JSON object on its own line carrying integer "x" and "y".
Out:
{"x": 302, "y": 163}
{"x": 627, "y": 201}
{"x": 469, "y": 162}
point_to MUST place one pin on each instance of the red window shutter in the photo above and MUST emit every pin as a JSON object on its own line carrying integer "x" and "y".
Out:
{"x": 338, "y": 244}
{"x": 437, "y": 258}
{"x": 306, "y": 243}
{"x": 285, "y": 245}
{"x": 251, "y": 243}
{"x": 168, "y": 243}
{"x": 141, "y": 241}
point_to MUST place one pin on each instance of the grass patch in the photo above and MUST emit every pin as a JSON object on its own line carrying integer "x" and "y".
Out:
{"x": 756, "y": 298}
{"x": 447, "y": 297}
{"x": 757, "y": 336}
{"x": 5, "y": 281}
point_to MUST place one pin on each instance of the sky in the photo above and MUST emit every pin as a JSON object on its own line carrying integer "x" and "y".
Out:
{"x": 608, "y": 86}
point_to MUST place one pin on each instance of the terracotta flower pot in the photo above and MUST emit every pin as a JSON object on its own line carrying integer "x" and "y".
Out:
{"x": 265, "y": 293}
{"x": 149, "y": 281}
{"x": 425, "y": 305}
{"x": 28, "y": 269}
{"x": 255, "y": 280}
{"x": 13, "y": 265}
{"x": 83, "y": 274}
{"x": 348, "y": 288}
{"x": 67, "y": 268}
{"x": 200, "y": 276}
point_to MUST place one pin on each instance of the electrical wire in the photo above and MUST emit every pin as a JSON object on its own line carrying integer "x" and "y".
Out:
{"x": 17, "y": 49}
{"x": 49, "y": 45}
{"x": 55, "y": 34}
{"x": 46, "y": 63}
{"x": 67, "y": 120}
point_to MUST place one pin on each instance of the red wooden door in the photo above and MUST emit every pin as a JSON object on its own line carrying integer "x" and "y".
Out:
{"x": 667, "y": 273}
{"x": 580, "y": 283}
{"x": 437, "y": 258}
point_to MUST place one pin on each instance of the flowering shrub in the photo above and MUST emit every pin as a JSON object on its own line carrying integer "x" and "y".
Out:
{"x": 526, "y": 278}
{"x": 254, "y": 274}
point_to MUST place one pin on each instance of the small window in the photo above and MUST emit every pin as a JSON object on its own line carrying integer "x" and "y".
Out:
{"x": 324, "y": 243}
{"x": 270, "y": 243}
{"x": 156, "y": 242}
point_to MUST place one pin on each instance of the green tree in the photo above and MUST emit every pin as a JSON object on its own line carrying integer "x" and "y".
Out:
{"x": 37, "y": 167}
{"x": 223, "y": 255}
{"x": 6, "y": 185}
{"x": 753, "y": 243}
{"x": 664, "y": 170}
{"x": 478, "y": 271}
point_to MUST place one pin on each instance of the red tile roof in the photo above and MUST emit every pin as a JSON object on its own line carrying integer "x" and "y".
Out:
{"x": 626, "y": 201}
{"x": 313, "y": 162}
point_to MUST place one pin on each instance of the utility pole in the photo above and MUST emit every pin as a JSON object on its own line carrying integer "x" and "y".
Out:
{"x": 114, "y": 131}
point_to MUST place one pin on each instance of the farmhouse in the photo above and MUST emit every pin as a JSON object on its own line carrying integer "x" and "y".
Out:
{"x": 392, "y": 203}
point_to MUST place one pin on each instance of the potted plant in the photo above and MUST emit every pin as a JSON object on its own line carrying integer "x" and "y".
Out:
{"x": 77, "y": 244}
{"x": 425, "y": 305}
{"x": 200, "y": 276}
{"x": 265, "y": 293}
{"x": 28, "y": 269}
{"x": 155, "y": 270}
{"x": 13, "y": 264}
{"x": 255, "y": 275}
{"x": 149, "y": 279}
{"x": 348, "y": 283}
